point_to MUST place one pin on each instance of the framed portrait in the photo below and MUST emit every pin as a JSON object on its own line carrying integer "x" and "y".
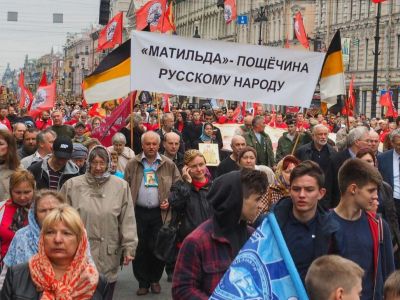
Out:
{"x": 211, "y": 154}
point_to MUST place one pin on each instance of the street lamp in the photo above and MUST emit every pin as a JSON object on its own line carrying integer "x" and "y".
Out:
{"x": 261, "y": 16}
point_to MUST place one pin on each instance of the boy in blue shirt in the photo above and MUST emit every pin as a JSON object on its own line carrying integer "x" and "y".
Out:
{"x": 366, "y": 237}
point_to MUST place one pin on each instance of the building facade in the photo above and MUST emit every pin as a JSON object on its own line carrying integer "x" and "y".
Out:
{"x": 356, "y": 20}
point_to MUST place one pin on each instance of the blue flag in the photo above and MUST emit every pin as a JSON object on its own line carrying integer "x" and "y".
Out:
{"x": 263, "y": 269}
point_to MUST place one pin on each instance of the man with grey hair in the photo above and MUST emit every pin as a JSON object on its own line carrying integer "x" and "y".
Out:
{"x": 230, "y": 162}
{"x": 150, "y": 176}
{"x": 389, "y": 167}
{"x": 358, "y": 138}
{"x": 44, "y": 141}
{"x": 167, "y": 125}
{"x": 341, "y": 135}
{"x": 320, "y": 152}
{"x": 124, "y": 153}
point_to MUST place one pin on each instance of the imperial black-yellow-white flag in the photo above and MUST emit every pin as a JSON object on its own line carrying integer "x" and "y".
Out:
{"x": 332, "y": 82}
{"x": 111, "y": 79}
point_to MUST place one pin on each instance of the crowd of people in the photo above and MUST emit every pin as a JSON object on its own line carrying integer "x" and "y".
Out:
{"x": 73, "y": 211}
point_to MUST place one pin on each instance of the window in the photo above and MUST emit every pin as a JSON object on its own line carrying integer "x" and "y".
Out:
{"x": 336, "y": 11}
{"x": 364, "y": 102}
{"x": 351, "y": 10}
{"x": 12, "y": 16}
{"x": 58, "y": 18}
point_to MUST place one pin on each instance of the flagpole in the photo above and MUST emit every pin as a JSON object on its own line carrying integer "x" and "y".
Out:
{"x": 158, "y": 112}
{"x": 131, "y": 118}
{"x": 376, "y": 57}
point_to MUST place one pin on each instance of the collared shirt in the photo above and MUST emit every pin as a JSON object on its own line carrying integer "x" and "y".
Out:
{"x": 300, "y": 239}
{"x": 148, "y": 196}
{"x": 352, "y": 154}
{"x": 396, "y": 175}
{"x": 258, "y": 136}
{"x": 26, "y": 162}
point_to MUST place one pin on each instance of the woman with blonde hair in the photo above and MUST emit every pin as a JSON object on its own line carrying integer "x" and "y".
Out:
{"x": 105, "y": 205}
{"x": 14, "y": 211}
{"x": 61, "y": 268}
{"x": 9, "y": 162}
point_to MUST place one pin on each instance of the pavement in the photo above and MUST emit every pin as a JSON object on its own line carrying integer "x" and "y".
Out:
{"x": 127, "y": 286}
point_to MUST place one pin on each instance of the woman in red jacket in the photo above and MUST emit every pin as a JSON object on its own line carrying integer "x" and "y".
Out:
{"x": 14, "y": 211}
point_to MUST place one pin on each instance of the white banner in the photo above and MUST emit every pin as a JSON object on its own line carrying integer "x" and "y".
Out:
{"x": 214, "y": 69}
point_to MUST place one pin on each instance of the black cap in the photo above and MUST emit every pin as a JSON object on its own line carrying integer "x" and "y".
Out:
{"x": 62, "y": 147}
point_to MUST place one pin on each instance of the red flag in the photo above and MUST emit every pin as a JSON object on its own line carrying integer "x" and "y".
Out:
{"x": 24, "y": 94}
{"x": 255, "y": 105}
{"x": 113, "y": 123}
{"x": 44, "y": 99}
{"x": 167, "y": 24}
{"x": 111, "y": 35}
{"x": 151, "y": 13}
{"x": 167, "y": 104}
{"x": 292, "y": 109}
{"x": 84, "y": 103}
{"x": 385, "y": 99}
{"x": 350, "y": 103}
{"x": 244, "y": 108}
{"x": 378, "y": 1}
{"x": 230, "y": 13}
{"x": 43, "y": 81}
{"x": 300, "y": 31}
{"x": 237, "y": 114}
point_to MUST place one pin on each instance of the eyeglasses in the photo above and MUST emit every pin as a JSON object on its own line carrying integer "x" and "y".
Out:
{"x": 98, "y": 164}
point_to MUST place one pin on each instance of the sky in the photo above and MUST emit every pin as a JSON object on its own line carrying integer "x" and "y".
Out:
{"x": 34, "y": 33}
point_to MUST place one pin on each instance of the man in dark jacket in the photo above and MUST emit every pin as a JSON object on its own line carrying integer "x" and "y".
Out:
{"x": 208, "y": 251}
{"x": 309, "y": 232}
{"x": 358, "y": 138}
{"x": 29, "y": 144}
{"x": 320, "y": 152}
{"x": 53, "y": 171}
{"x": 229, "y": 163}
{"x": 167, "y": 125}
{"x": 192, "y": 131}
{"x": 366, "y": 237}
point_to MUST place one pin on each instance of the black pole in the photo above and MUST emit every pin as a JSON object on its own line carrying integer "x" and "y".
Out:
{"x": 376, "y": 57}
{"x": 259, "y": 35}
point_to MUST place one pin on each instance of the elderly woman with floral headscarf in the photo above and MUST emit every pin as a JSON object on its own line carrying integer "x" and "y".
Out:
{"x": 61, "y": 269}
{"x": 105, "y": 205}
{"x": 280, "y": 187}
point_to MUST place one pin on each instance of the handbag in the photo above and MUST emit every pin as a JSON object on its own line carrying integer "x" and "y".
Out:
{"x": 165, "y": 244}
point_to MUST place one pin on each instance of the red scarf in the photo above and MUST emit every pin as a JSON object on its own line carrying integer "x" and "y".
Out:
{"x": 198, "y": 185}
{"x": 180, "y": 126}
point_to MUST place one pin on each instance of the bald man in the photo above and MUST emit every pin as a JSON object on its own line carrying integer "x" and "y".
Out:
{"x": 374, "y": 141}
{"x": 171, "y": 149}
{"x": 229, "y": 164}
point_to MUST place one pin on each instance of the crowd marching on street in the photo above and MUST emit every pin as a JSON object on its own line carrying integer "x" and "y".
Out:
{"x": 73, "y": 210}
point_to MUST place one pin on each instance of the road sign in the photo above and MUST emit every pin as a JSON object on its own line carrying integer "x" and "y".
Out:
{"x": 242, "y": 20}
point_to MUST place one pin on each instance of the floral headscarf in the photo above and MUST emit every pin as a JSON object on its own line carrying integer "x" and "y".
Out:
{"x": 79, "y": 282}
